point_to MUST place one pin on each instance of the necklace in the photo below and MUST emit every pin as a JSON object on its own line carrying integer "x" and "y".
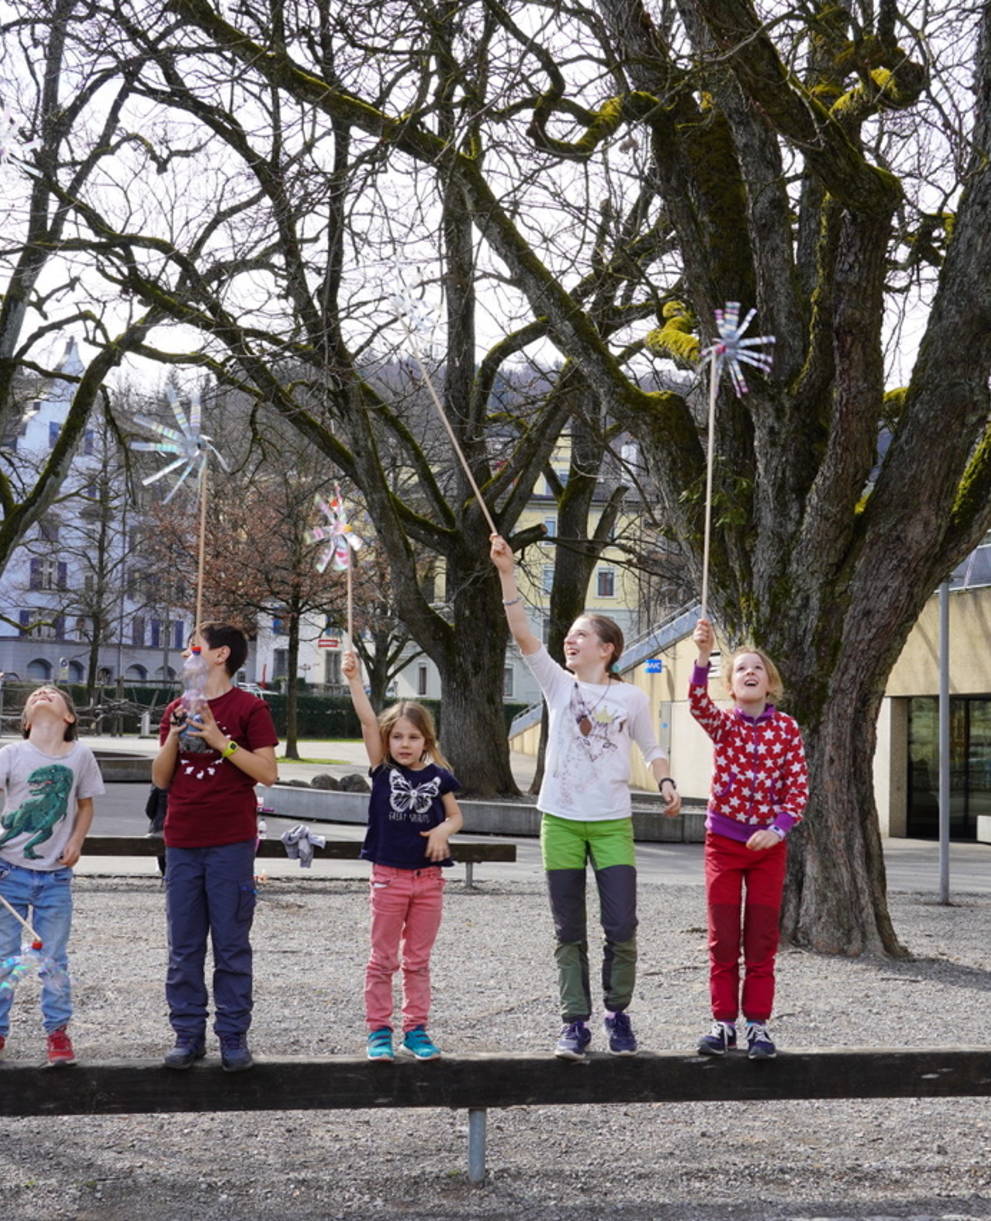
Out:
{"x": 583, "y": 713}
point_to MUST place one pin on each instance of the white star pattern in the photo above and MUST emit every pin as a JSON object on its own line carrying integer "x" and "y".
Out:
{"x": 760, "y": 773}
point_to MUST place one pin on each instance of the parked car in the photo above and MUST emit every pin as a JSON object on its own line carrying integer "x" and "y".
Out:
{"x": 254, "y": 689}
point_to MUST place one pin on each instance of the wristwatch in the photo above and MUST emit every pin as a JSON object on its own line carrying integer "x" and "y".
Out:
{"x": 229, "y": 749}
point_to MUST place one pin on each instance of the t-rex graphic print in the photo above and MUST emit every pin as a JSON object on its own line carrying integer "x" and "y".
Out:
{"x": 49, "y": 802}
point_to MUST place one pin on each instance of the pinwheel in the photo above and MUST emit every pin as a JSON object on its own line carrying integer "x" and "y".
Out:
{"x": 341, "y": 540}
{"x": 730, "y": 351}
{"x": 192, "y": 449}
{"x": 11, "y": 146}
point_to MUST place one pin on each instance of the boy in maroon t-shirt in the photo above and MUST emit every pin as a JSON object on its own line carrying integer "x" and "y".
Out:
{"x": 210, "y": 831}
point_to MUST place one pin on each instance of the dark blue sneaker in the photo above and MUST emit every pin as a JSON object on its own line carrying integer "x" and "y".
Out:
{"x": 380, "y": 1045}
{"x": 234, "y": 1054}
{"x": 418, "y": 1043}
{"x": 188, "y": 1049}
{"x": 760, "y": 1045}
{"x": 622, "y": 1041}
{"x": 720, "y": 1039}
{"x": 575, "y": 1037}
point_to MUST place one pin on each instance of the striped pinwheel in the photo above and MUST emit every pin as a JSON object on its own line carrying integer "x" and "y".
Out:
{"x": 187, "y": 442}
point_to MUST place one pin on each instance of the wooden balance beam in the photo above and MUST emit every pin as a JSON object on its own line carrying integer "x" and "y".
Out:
{"x": 477, "y": 1082}
{"x": 468, "y": 852}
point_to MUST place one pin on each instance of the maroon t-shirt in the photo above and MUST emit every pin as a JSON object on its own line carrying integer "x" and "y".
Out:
{"x": 211, "y": 801}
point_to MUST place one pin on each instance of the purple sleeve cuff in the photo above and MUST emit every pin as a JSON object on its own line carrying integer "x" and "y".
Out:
{"x": 700, "y": 676}
{"x": 784, "y": 822}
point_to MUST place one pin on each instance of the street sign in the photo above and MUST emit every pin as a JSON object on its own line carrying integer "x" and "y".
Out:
{"x": 329, "y": 642}
{"x": 654, "y": 665}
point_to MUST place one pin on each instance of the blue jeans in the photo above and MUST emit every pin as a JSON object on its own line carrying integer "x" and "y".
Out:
{"x": 44, "y": 898}
{"x": 210, "y": 891}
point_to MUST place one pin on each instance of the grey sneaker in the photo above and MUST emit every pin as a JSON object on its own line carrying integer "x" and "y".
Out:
{"x": 575, "y": 1037}
{"x": 234, "y": 1054}
{"x": 188, "y": 1049}
{"x": 720, "y": 1039}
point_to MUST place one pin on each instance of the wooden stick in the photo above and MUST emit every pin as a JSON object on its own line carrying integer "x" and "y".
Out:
{"x": 454, "y": 440}
{"x": 200, "y": 563}
{"x": 713, "y": 388}
{"x": 350, "y": 600}
{"x": 20, "y": 920}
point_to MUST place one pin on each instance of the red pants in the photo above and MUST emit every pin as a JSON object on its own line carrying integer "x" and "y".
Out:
{"x": 728, "y": 864}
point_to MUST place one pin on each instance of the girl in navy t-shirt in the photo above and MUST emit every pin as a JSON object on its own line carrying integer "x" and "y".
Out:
{"x": 412, "y": 813}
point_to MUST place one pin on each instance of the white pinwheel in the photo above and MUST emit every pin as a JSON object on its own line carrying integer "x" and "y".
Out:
{"x": 731, "y": 350}
{"x": 192, "y": 447}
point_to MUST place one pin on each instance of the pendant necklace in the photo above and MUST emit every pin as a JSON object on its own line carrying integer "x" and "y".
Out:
{"x": 583, "y": 715}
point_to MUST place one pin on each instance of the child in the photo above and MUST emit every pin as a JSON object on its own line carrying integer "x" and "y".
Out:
{"x": 412, "y": 813}
{"x": 759, "y": 790}
{"x": 50, "y": 781}
{"x": 586, "y": 812}
{"x": 210, "y": 837}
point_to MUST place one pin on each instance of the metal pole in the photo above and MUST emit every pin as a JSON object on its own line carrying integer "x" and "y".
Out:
{"x": 944, "y": 742}
{"x": 476, "y": 1144}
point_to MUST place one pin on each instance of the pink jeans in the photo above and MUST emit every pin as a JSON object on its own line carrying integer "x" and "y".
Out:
{"x": 406, "y": 910}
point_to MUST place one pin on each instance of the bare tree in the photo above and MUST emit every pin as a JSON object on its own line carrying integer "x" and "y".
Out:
{"x": 566, "y": 175}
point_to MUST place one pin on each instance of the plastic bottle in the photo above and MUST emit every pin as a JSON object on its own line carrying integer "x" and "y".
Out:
{"x": 194, "y": 676}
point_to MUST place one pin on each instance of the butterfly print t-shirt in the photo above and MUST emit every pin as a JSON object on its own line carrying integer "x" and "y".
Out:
{"x": 211, "y": 801}
{"x": 403, "y": 803}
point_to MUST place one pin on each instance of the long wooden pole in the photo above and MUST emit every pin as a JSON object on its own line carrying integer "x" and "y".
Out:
{"x": 710, "y": 457}
{"x": 201, "y": 556}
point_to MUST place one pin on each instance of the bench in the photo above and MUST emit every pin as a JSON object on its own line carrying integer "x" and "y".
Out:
{"x": 477, "y": 1082}
{"x": 468, "y": 852}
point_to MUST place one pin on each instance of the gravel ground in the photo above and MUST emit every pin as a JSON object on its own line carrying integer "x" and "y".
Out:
{"x": 494, "y": 991}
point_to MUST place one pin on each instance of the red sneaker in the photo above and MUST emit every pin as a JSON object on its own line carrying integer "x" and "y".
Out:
{"x": 60, "y": 1049}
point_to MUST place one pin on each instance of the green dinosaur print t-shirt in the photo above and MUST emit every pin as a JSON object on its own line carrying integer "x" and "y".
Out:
{"x": 40, "y": 797}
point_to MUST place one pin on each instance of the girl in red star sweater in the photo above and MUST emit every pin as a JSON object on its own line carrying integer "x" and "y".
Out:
{"x": 759, "y": 790}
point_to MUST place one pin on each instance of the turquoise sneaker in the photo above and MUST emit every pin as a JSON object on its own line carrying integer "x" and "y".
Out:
{"x": 380, "y": 1045}
{"x": 418, "y": 1043}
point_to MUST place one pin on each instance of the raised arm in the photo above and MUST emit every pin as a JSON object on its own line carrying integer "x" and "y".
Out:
{"x": 516, "y": 616}
{"x": 351, "y": 669}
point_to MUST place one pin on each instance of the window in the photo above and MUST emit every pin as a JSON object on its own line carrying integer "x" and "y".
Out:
{"x": 178, "y": 634}
{"x": 605, "y": 583}
{"x": 550, "y": 525}
{"x": 155, "y": 626}
{"x": 138, "y": 631}
{"x": 545, "y": 631}
{"x": 48, "y": 574}
{"x": 421, "y": 680}
{"x": 24, "y": 618}
{"x": 547, "y": 578}
{"x": 332, "y": 667}
{"x": 54, "y": 428}
{"x": 80, "y": 628}
{"x": 48, "y": 529}
{"x": 59, "y": 628}
{"x": 507, "y": 683}
{"x": 88, "y": 441}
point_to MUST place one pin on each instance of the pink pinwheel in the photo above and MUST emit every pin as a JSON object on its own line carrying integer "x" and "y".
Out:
{"x": 731, "y": 350}
{"x": 337, "y": 533}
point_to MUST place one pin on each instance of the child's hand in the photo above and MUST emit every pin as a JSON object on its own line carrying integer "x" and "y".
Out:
{"x": 437, "y": 838}
{"x": 500, "y": 553}
{"x": 760, "y": 841}
{"x": 70, "y": 854}
{"x": 349, "y": 665}
{"x": 672, "y": 799}
{"x": 705, "y": 639}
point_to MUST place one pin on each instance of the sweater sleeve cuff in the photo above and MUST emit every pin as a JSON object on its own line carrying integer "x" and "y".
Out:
{"x": 700, "y": 676}
{"x": 784, "y": 822}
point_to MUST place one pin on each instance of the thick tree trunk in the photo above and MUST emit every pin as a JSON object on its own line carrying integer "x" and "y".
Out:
{"x": 292, "y": 689}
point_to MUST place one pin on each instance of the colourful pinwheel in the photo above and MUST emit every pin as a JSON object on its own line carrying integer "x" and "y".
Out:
{"x": 341, "y": 540}
{"x": 731, "y": 350}
{"x": 192, "y": 447}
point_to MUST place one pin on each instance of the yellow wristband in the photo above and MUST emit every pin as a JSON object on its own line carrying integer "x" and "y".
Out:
{"x": 229, "y": 749}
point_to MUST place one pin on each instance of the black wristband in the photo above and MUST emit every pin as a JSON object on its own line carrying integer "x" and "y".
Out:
{"x": 666, "y": 780}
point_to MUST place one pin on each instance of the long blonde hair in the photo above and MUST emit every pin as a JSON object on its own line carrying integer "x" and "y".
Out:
{"x": 418, "y": 716}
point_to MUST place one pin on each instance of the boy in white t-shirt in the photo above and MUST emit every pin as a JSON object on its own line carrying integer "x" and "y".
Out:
{"x": 49, "y": 782}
